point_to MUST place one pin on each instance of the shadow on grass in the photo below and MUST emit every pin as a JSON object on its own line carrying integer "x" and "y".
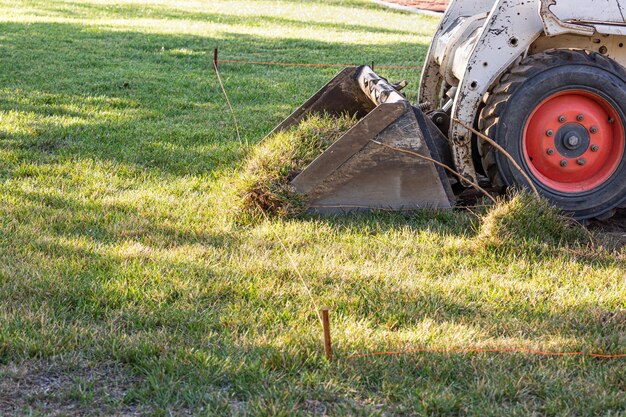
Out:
{"x": 152, "y": 100}
{"x": 180, "y": 326}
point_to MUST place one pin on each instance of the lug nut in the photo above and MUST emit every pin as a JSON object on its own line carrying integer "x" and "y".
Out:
{"x": 562, "y": 119}
{"x": 550, "y": 132}
{"x": 595, "y": 148}
{"x": 611, "y": 120}
{"x": 564, "y": 163}
{"x": 580, "y": 117}
{"x": 593, "y": 130}
{"x": 581, "y": 161}
{"x": 550, "y": 151}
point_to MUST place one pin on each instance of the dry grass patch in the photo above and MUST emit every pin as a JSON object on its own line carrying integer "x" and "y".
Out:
{"x": 523, "y": 219}
{"x": 264, "y": 182}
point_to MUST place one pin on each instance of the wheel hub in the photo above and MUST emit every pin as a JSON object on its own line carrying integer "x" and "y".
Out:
{"x": 572, "y": 140}
{"x": 587, "y": 147}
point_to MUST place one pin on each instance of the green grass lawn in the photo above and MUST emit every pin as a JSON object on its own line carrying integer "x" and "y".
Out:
{"x": 125, "y": 288}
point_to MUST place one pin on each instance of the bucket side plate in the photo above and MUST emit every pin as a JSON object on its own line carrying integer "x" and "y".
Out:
{"x": 357, "y": 174}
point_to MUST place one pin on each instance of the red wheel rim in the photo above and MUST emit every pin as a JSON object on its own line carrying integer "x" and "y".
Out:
{"x": 574, "y": 141}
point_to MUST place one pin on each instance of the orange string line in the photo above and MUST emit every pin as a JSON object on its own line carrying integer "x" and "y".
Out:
{"x": 502, "y": 350}
{"x": 296, "y": 64}
{"x": 219, "y": 79}
{"x": 412, "y": 351}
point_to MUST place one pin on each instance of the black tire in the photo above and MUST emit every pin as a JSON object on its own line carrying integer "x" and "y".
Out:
{"x": 513, "y": 101}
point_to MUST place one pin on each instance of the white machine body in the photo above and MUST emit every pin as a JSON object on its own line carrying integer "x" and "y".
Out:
{"x": 479, "y": 40}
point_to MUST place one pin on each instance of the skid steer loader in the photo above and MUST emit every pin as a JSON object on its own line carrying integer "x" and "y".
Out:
{"x": 543, "y": 79}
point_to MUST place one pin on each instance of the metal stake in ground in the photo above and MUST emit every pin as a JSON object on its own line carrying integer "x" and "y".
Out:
{"x": 328, "y": 349}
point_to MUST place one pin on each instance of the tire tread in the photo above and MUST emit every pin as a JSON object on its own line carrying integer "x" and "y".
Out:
{"x": 497, "y": 101}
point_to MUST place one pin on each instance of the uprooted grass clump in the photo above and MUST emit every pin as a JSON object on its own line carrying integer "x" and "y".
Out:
{"x": 264, "y": 181}
{"x": 524, "y": 219}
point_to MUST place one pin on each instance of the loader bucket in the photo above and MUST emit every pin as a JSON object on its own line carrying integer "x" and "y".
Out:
{"x": 365, "y": 168}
